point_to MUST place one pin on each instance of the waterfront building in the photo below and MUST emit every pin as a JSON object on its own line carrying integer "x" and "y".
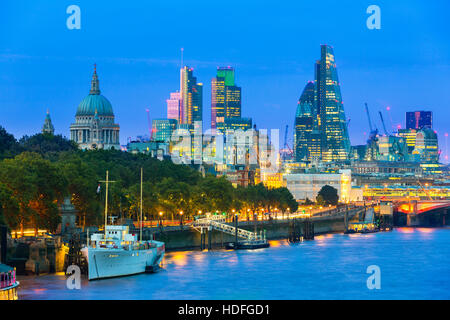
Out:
{"x": 48, "y": 127}
{"x": 308, "y": 185}
{"x": 95, "y": 126}
{"x": 330, "y": 109}
{"x": 174, "y": 107}
{"x": 225, "y": 97}
{"x": 163, "y": 129}
{"x": 191, "y": 94}
{"x": 419, "y": 119}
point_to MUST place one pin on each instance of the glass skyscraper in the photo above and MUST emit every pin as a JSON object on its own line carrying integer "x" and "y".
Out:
{"x": 331, "y": 119}
{"x": 225, "y": 97}
{"x": 191, "y": 94}
{"x": 320, "y": 124}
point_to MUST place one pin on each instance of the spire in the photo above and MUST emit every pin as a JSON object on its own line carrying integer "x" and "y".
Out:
{"x": 48, "y": 126}
{"x": 95, "y": 88}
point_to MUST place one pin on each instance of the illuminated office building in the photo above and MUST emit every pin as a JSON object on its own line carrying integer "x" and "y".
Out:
{"x": 163, "y": 129}
{"x": 174, "y": 107}
{"x": 191, "y": 94}
{"x": 225, "y": 99}
{"x": 410, "y": 135}
{"x": 331, "y": 119}
{"x": 427, "y": 146}
{"x": 306, "y": 135}
{"x": 419, "y": 119}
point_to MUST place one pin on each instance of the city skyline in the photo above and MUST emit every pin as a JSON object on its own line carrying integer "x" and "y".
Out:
{"x": 270, "y": 84}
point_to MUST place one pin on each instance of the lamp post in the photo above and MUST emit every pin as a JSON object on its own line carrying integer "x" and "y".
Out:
{"x": 181, "y": 218}
{"x": 160, "y": 218}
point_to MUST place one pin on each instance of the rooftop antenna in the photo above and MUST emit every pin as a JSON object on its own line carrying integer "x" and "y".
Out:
{"x": 182, "y": 50}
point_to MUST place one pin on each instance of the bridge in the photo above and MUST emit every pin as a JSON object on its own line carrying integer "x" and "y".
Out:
{"x": 424, "y": 212}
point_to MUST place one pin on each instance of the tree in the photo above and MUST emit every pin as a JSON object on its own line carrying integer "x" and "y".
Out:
{"x": 327, "y": 195}
{"x": 9, "y": 207}
{"x": 38, "y": 186}
{"x": 8, "y": 145}
{"x": 46, "y": 144}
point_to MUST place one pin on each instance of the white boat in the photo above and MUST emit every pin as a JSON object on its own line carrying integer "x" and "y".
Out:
{"x": 121, "y": 254}
{"x": 116, "y": 252}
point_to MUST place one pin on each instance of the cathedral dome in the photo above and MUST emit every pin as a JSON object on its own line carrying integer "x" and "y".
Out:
{"x": 95, "y": 101}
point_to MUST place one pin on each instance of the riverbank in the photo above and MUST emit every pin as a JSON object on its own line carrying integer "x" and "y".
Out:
{"x": 183, "y": 238}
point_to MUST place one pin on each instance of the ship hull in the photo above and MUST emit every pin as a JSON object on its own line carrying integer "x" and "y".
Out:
{"x": 109, "y": 263}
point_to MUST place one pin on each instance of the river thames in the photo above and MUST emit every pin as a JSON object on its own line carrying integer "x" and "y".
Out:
{"x": 414, "y": 264}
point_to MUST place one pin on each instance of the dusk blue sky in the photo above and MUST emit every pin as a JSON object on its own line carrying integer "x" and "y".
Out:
{"x": 272, "y": 45}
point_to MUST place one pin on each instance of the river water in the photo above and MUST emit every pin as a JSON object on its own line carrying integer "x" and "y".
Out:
{"x": 414, "y": 264}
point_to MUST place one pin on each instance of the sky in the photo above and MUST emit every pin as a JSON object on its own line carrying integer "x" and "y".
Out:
{"x": 271, "y": 44}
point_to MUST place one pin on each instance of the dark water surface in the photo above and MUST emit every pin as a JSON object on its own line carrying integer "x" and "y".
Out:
{"x": 414, "y": 264}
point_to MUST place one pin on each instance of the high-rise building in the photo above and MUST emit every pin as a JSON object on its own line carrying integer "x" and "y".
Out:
{"x": 225, "y": 97}
{"x": 331, "y": 119}
{"x": 306, "y": 134}
{"x": 419, "y": 119}
{"x": 174, "y": 110}
{"x": 191, "y": 94}
{"x": 94, "y": 126}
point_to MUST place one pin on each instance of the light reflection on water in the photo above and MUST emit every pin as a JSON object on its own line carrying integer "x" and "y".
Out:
{"x": 415, "y": 264}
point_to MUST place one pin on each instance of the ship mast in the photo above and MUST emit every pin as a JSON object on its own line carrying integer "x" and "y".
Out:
{"x": 140, "y": 220}
{"x": 106, "y": 199}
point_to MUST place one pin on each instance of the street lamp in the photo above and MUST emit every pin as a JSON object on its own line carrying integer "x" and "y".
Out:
{"x": 160, "y": 218}
{"x": 181, "y": 218}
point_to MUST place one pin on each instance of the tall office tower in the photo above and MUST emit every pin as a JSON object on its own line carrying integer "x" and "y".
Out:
{"x": 174, "y": 110}
{"x": 419, "y": 120}
{"x": 331, "y": 119}
{"x": 304, "y": 125}
{"x": 191, "y": 94}
{"x": 225, "y": 97}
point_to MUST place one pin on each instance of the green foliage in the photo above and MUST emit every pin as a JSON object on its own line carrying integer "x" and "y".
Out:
{"x": 327, "y": 195}
{"x": 46, "y": 144}
{"x": 33, "y": 184}
{"x": 8, "y": 145}
{"x": 36, "y": 185}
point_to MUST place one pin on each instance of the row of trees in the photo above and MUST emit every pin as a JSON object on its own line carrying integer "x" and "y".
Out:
{"x": 37, "y": 172}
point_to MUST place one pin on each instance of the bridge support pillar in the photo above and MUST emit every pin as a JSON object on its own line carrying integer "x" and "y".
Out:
{"x": 209, "y": 237}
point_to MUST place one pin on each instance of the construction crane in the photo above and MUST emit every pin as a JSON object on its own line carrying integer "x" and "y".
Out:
{"x": 286, "y": 149}
{"x": 150, "y": 131}
{"x": 382, "y": 121}
{"x": 373, "y": 131}
{"x": 368, "y": 117}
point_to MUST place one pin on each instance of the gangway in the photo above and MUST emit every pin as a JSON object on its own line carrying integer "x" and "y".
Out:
{"x": 217, "y": 222}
